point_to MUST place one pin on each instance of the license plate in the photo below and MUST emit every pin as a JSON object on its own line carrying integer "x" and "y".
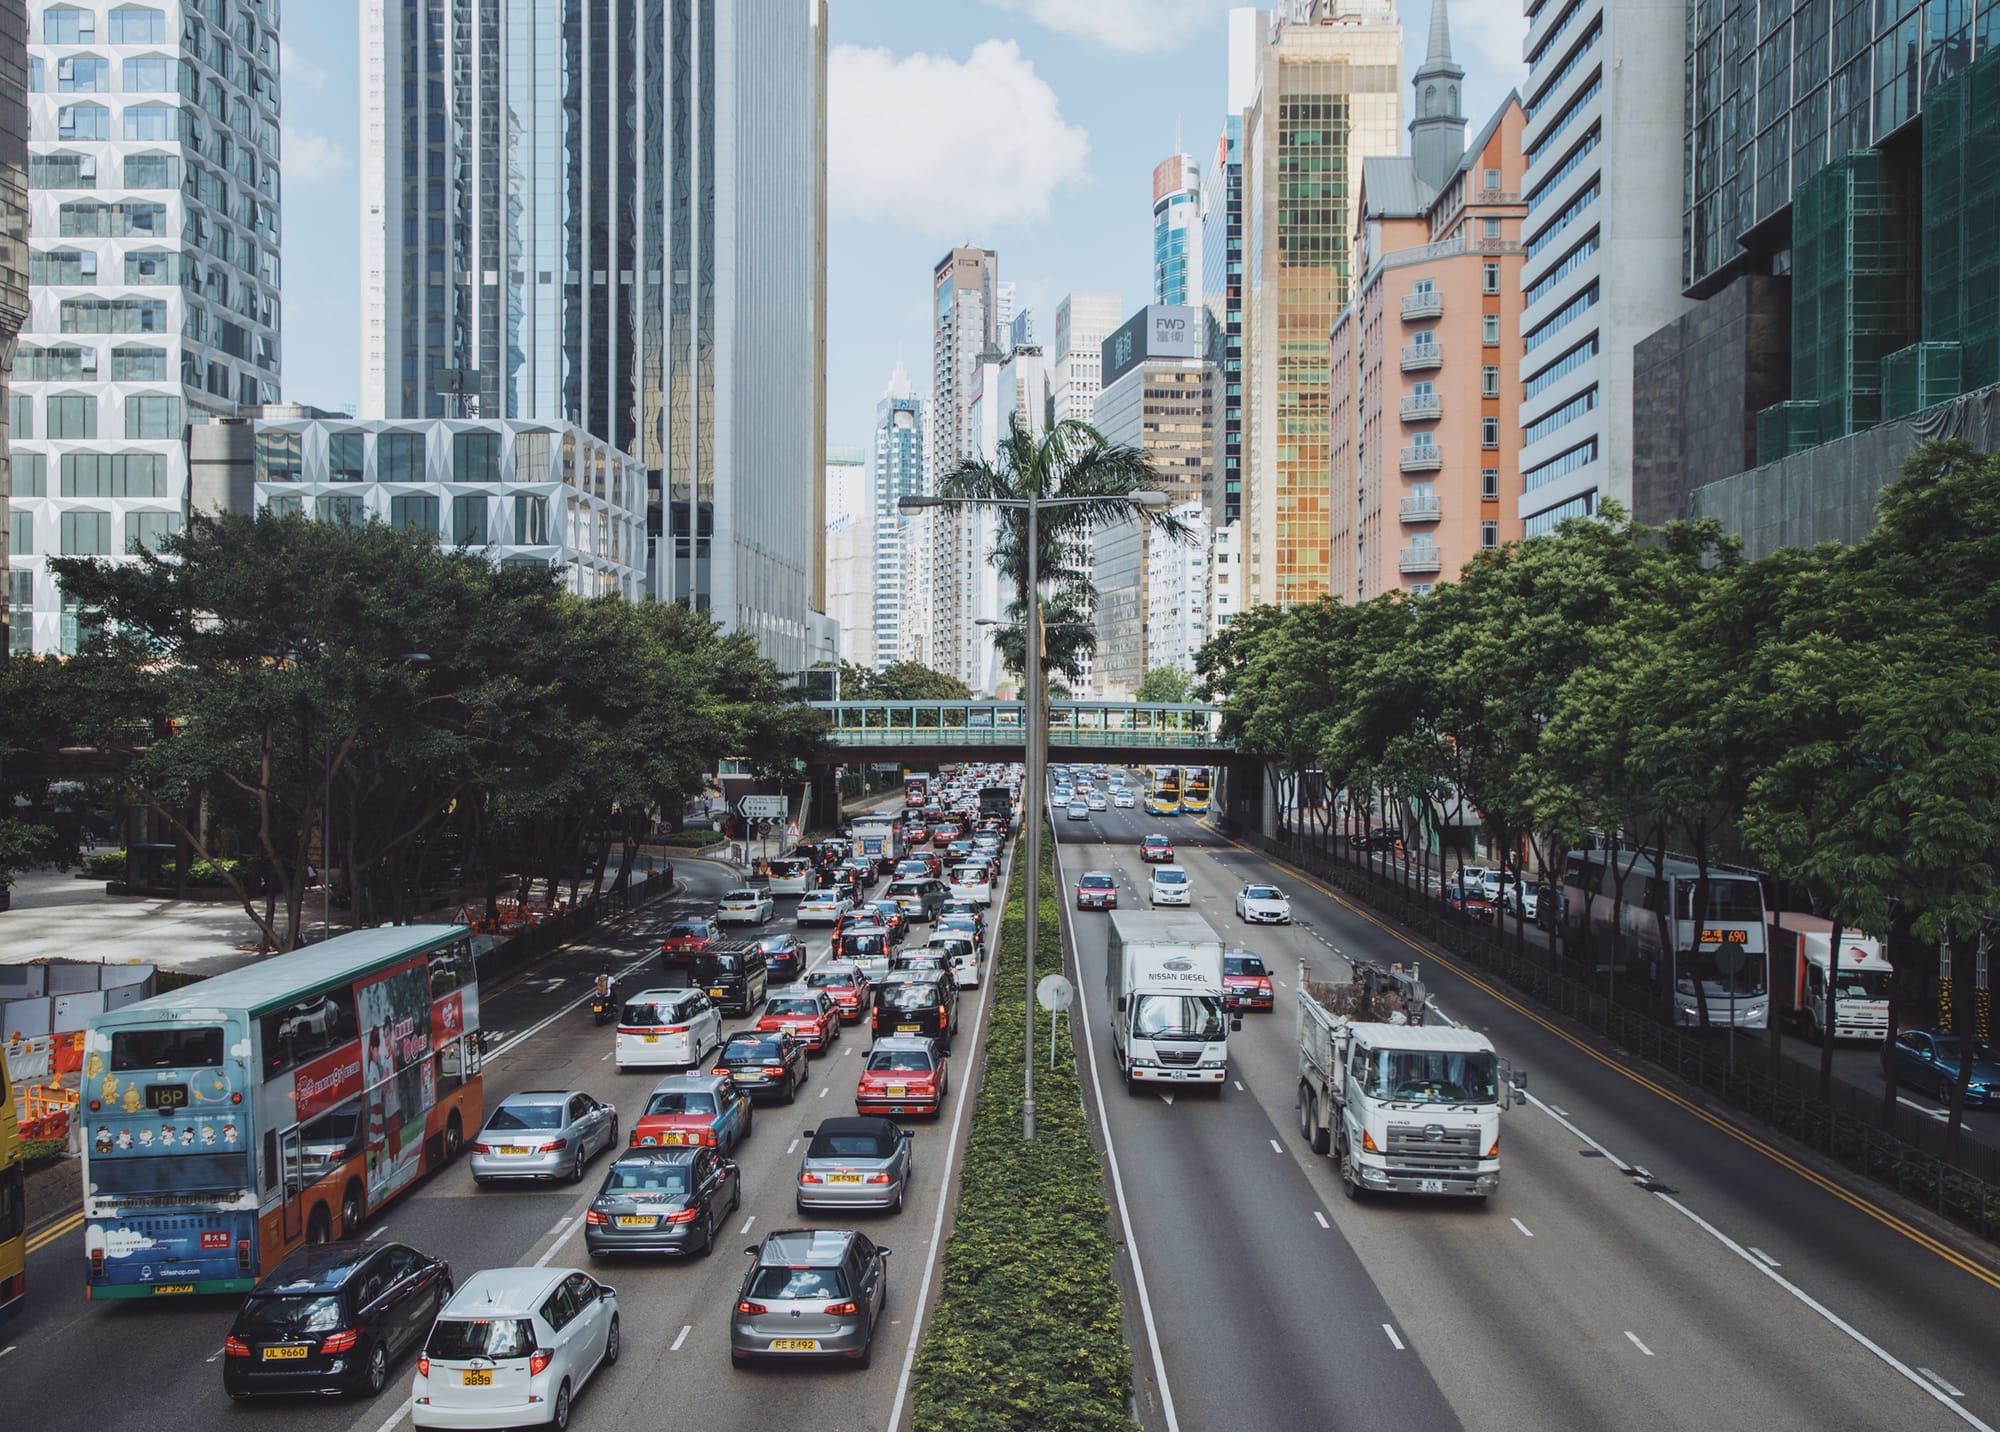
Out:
{"x": 715, "y": 994}
{"x": 1430, "y": 1185}
{"x": 283, "y": 1354}
{"x": 794, "y": 1344}
{"x": 652, "y": 1039}
{"x": 512, "y": 1149}
{"x": 635, "y": 1220}
{"x": 843, "y": 1178}
{"x": 672, "y": 1140}
{"x": 908, "y": 1028}
{"x": 482, "y": 1377}
{"x": 159, "y": 1288}
{"x": 897, "y": 1091}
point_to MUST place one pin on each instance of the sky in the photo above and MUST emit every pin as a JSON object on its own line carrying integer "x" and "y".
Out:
{"x": 1030, "y": 127}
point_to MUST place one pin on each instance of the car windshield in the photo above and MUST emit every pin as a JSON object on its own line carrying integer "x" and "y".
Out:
{"x": 526, "y": 1116}
{"x": 899, "y": 1059}
{"x": 287, "y": 1314}
{"x": 647, "y": 1178}
{"x": 1170, "y": 877}
{"x": 681, "y": 1101}
{"x": 1243, "y": 965}
{"x": 455, "y": 1339}
{"x": 1261, "y": 892}
{"x": 1195, "y": 1018}
{"x": 1097, "y": 882}
{"x": 805, "y": 1284}
{"x": 1429, "y": 1077}
{"x": 908, "y": 996}
{"x": 751, "y": 1051}
{"x": 829, "y": 979}
{"x": 970, "y": 875}
{"x": 792, "y": 1004}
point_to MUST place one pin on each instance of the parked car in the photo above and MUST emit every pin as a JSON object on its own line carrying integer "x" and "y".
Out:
{"x": 1169, "y": 885}
{"x": 904, "y": 1074}
{"x": 332, "y": 1317}
{"x": 784, "y": 958}
{"x": 856, "y": 1163}
{"x": 543, "y": 1134}
{"x": 1260, "y": 904}
{"x": 1246, "y": 983}
{"x": 811, "y": 1292}
{"x": 1156, "y": 850}
{"x": 1096, "y": 890}
{"x": 1930, "y": 1059}
{"x": 515, "y": 1345}
{"x": 808, "y": 1014}
{"x": 662, "y": 1201}
{"x": 694, "y": 1110}
{"x": 771, "y": 1062}
{"x": 822, "y": 907}
{"x": 745, "y": 907}
{"x": 664, "y": 1028}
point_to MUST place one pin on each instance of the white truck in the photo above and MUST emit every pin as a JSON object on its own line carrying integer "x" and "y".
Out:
{"x": 1403, "y": 1106}
{"x": 1169, "y": 1025}
{"x": 1802, "y": 968}
{"x": 879, "y": 840}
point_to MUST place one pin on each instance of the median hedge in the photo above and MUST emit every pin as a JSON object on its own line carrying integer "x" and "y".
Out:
{"x": 1027, "y": 1331}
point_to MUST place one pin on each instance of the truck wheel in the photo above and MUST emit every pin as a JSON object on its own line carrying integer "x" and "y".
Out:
{"x": 1350, "y": 1176}
{"x": 1318, "y": 1138}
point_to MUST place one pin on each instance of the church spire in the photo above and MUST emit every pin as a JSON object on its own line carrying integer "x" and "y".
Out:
{"x": 1437, "y": 134}
{"x": 1440, "y": 49}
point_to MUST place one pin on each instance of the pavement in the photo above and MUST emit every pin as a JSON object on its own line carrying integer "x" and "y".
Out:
{"x": 57, "y": 916}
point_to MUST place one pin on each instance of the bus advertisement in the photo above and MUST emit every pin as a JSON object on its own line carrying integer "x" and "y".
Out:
{"x": 230, "y": 1121}
{"x": 13, "y": 1201}
{"x": 1195, "y": 799}
{"x": 1717, "y": 957}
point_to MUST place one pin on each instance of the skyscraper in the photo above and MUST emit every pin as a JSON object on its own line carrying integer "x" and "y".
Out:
{"x": 1329, "y": 94}
{"x": 896, "y": 471}
{"x": 13, "y": 284}
{"x": 606, "y": 212}
{"x": 1222, "y": 268}
{"x": 850, "y": 553}
{"x": 1177, "y": 236}
{"x": 967, "y": 301}
{"x": 1083, "y": 322}
{"x": 154, "y": 236}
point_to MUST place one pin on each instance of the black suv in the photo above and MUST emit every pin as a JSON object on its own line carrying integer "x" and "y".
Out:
{"x": 331, "y": 1318}
{"x": 916, "y": 1002}
{"x": 735, "y": 976}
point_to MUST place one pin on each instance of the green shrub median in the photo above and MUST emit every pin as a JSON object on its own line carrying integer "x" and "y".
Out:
{"x": 1027, "y": 1331}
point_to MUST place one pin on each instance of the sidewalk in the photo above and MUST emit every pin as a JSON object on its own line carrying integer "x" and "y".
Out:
{"x": 57, "y": 916}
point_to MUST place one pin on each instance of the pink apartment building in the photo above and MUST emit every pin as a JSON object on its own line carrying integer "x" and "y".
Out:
{"x": 1425, "y": 361}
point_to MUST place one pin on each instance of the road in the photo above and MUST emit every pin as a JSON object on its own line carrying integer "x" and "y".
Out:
{"x": 675, "y": 1364}
{"x": 1643, "y": 1266}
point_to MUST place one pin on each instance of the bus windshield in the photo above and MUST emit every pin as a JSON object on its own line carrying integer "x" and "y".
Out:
{"x": 1730, "y": 897}
{"x": 1726, "y": 971}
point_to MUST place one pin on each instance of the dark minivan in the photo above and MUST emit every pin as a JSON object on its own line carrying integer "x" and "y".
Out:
{"x": 331, "y": 1318}
{"x": 916, "y": 1002}
{"x": 735, "y": 976}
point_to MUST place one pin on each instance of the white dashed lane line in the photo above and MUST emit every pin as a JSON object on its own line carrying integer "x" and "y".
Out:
{"x": 1397, "y": 1342}
{"x": 1634, "y": 1339}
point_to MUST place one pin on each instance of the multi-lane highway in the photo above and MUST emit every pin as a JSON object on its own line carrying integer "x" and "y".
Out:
{"x": 137, "y": 1367}
{"x": 1645, "y": 1265}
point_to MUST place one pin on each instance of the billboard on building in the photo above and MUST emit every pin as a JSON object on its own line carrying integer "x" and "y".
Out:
{"x": 1159, "y": 330}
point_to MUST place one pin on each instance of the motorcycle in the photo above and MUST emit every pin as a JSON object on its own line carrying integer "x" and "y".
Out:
{"x": 604, "y": 1007}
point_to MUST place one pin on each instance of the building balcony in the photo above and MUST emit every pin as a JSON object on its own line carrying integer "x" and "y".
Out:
{"x": 1423, "y": 305}
{"x": 1419, "y": 356}
{"x": 1421, "y": 558}
{"x": 1423, "y": 408}
{"x": 1420, "y": 509}
{"x": 1428, "y": 457}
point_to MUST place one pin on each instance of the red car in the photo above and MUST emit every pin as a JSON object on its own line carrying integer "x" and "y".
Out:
{"x": 915, "y": 835}
{"x": 809, "y": 1015}
{"x": 1095, "y": 891}
{"x": 694, "y": 1109}
{"x": 904, "y": 1075}
{"x": 688, "y": 938}
{"x": 845, "y": 985}
{"x": 944, "y": 834}
{"x": 1156, "y": 850}
{"x": 1246, "y": 984}
{"x": 933, "y": 863}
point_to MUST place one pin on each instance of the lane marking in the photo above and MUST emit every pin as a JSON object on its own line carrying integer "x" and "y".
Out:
{"x": 824, "y": 1091}
{"x": 1950, "y": 1391}
{"x": 1941, "y": 1115}
{"x": 791, "y": 1148}
{"x": 1276, "y": 1147}
{"x": 571, "y": 1222}
{"x": 746, "y": 1225}
{"x": 1394, "y": 1341}
{"x": 1563, "y": 1113}
{"x": 676, "y": 1345}
{"x": 1768, "y": 1260}
{"x": 1525, "y": 1231}
{"x": 48, "y": 1235}
{"x": 1634, "y": 1339}
{"x": 1239, "y": 1085}
{"x": 847, "y": 1051}
{"x": 377, "y": 1233}
{"x": 1322, "y": 1219}
{"x": 1748, "y": 1140}
{"x": 210, "y": 1358}
{"x": 7, "y": 1349}
{"x": 1604, "y": 1153}
{"x": 396, "y": 1417}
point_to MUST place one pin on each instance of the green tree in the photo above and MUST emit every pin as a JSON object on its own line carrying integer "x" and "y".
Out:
{"x": 1165, "y": 683}
{"x": 907, "y": 681}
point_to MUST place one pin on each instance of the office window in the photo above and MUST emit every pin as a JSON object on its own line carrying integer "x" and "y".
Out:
{"x": 21, "y": 612}
{"x": 1489, "y": 381}
{"x": 72, "y": 415}
{"x": 152, "y": 171}
{"x": 149, "y": 74}
{"x": 136, "y": 26}
{"x": 342, "y": 511}
{"x": 83, "y": 121}
{"x": 531, "y": 520}
{"x": 468, "y": 519}
{"x": 20, "y": 418}
{"x": 475, "y": 457}
{"x": 85, "y": 533}
{"x": 1490, "y": 278}
{"x": 144, "y": 531}
{"x": 62, "y": 25}
{"x": 113, "y": 474}
{"x": 399, "y": 457}
{"x": 82, "y": 74}
{"x": 1489, "y": 483}
{"x": 278, "y": 457}
{"x": 62, "y": 171}
{"x": 1489, "y": 535}
{"x": 152, "y": 415}
{"x": 138, "y": 365}
{"x": 20, "y": 534}
{"x": 417, "y": 510}
{"x": 31, "y": 474}
{"x": 151, "y": 123}
{"x": 346, "y": 459}
{"x": 1489, "y": 330}
{"x": 1489, "y": 432}
{"x": 285, "y": 504}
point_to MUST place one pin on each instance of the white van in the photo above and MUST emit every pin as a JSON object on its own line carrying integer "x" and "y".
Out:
{"x": 972, "y": 882}
{"x": 667, "y": 1028}
{"x": 790, "y": 877}
{"x": 961, "y": 957}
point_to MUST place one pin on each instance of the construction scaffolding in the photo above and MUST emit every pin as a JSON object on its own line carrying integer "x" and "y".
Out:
{"x": 1961, "y": 219}
{"x": 1786, "y": 428}
{"x": 1918, "y": 377}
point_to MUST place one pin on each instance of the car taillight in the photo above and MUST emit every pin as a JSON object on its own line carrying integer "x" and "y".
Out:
{"x": 538, "y": 1362}
{"x": 555, "y": 1148}
{"x": 634, "y": 1141}
{"x": 840, "y": 1309}
{"x": 744, "y": 1305}
{"x": 774, "y": 1069}
{"x": 675, "y": 1029}
{"x": 235, "y": 1346}
{"x": 686, "y": 1215}
{"x": 340, "y": 1342}
{"x": 878, "y": 1178}
{"x": 706, "y": 1138}
{"x": 944, "y": 1017}
{"x": 810, "y": 1178}
{"x": 482, "y": 1148}
{"x": 423, "y": 1365}
{"x": 595, "y": 1219}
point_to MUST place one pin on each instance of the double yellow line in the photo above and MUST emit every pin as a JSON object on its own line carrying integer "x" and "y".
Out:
{"x": 59, "y": 1229}
{"x": 1776, "y": 1155}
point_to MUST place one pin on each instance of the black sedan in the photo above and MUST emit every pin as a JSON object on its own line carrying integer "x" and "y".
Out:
{"x": 332, "y": 1318}
{"x": 764, "y": 1063}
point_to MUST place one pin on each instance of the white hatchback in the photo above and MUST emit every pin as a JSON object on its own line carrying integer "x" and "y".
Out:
{"x": 1169, "y": 885}
{"x": 514, "y": 1346}
{"x": 667, "y": 1029}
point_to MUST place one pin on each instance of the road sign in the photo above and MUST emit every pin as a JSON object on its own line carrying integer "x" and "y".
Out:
{"x": 1054, "y": 993}
{"x": 762, "y": 807}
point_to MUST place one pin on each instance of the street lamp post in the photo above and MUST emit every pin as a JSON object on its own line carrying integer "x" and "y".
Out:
{"x": 1037, "y": 740}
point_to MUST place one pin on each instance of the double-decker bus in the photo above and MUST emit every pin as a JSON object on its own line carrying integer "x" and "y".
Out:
{"x": 228, "y": 1122}
{"x": 1165, "y": 796}
{"x": 1195, "y": 799}
{"x": 1723, "y": 945}
{"x": 13, "y": 1201}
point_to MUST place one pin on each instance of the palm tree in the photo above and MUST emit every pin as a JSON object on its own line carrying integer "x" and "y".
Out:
{"x": 1067, "y": 637}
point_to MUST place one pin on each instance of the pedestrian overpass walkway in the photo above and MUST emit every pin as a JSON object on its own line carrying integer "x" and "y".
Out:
{"x": 893, "y": 729}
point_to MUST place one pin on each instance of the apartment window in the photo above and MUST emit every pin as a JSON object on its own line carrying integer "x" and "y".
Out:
{"x": 21, "y": 534}
{"x": 31, "y": 474}
{"x": 1489, "y": 381}
{"x": 278, "y": 457}
{"x": 62, "y": 171}
{"x": 152, "y": 415}
{"x": 346, "y": 457}
{"x": 53, "y": 266}
{"x": 475, "y": 457}
{"x": 72, "y": 415}
{"x": 21, "y": 612}
{"x": 418, "y": 510}
{"x": 399, "y": 457}
{"x": 531, "y": 520}
{"x": 144, "y": 531}
{"x": 1489, "y": 483}
{"x": 468, "y": 519}
{"x": 112, "y": 315}
{"x": 135, "y": 26}
{"x": 152, "y": 171}
{"x": 1489, "y": 432}
{"x": 148, "y": 74}
{"x": 146, "y": 269}
{"x": 1493, "y": 181}
{"x": 285, "y": 505}
{"x": 1489, "y": 330}
{"x": 85, "y": 533}
{"x": 83, "y": 121}
{"x": 113, "y": 474}
{"x": 1490, "y": 278}
{"x": 1489, "y": 535}
{"x": 1489, "y": 228}
{"x": 82, "y": 74}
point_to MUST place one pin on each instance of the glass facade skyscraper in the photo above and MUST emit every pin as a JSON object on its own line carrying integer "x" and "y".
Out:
{"x": 1222, "y": 301}
{"x": 1177, "y": 233}
{"x": 896, "y": 471}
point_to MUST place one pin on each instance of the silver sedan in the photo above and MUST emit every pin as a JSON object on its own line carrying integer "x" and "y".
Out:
{"x": 543, "y": 1134}
{"x": 859, "y": 1162}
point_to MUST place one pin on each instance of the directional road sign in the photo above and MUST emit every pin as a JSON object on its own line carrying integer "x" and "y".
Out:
{"x": 762, "y": 807}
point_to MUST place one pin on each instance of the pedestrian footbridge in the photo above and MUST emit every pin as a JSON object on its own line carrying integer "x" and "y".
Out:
{"x": 973, "y": 730}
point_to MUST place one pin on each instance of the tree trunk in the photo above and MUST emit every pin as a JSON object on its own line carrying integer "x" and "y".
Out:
{"x": 1832, "y": 1011}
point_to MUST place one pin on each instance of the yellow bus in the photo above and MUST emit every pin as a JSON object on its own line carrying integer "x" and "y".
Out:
{"x": 13, "y": 1201}
{"x": 1165, "y": 798}
{"x": 1195, "y": 800}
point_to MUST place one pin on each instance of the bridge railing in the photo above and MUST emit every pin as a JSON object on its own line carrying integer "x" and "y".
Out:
{"x": 1003, "y": 723}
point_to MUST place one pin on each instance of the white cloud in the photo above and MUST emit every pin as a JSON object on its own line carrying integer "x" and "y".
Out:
{"x": 1131, "y": 27}
{"x": 309, "y": 158}
{"x": 294, "y": 71}
{"x": 949, "y": 149}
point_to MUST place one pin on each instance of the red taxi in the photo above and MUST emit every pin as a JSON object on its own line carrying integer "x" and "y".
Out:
{"x": 1096, "y": 891}
{"x": 1246, "y": 983}
{"x": 1156, "y": 850}
{"x": 845, "y": 985}
{"x": 687, "y": 938}
{"x": 904, "y": 1075}
{"x": 915, "y": 835}
{"x": 809, "y": 1015}
{"x": 691, "y": 1109}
